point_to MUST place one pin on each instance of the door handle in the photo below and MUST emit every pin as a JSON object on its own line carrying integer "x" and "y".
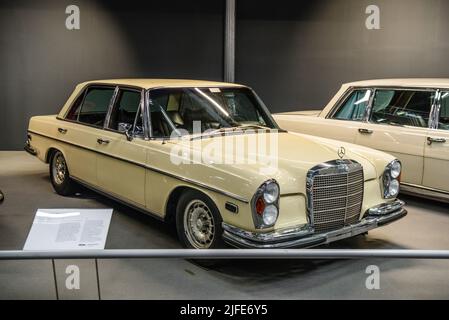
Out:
{"x": 62, "y": 130}
{"x": 101, "y": 141}
{"x": 431, "y": 140}
{"x": 365, "y": 131}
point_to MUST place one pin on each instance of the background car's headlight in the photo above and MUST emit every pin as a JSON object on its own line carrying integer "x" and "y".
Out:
{"x": 391, "y": 179}
{"x": 265, "y": 205}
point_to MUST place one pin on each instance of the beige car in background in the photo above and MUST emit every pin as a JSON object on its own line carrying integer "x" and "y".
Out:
{"x": 133, "y": 139}
{"x": 408, "y": 118}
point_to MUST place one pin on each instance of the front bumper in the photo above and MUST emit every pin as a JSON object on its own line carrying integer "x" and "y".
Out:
{"x": 304, "y": 236}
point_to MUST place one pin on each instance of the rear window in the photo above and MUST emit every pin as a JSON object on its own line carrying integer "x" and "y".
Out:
{"x": 92, "y": 106}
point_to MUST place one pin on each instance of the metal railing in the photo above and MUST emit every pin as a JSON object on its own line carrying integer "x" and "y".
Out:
{"x": 62, "y": 293}
{"x": 228, "y": 254}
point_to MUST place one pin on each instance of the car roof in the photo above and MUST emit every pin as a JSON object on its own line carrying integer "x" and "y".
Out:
{"x": 405, "y": 82}
{"x": 156, "y": 83}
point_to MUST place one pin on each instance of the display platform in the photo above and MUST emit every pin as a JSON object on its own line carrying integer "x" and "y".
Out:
{"x": 25, "y": 183}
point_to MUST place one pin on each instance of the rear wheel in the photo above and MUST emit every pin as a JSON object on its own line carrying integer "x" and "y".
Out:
{"x": 59, "y": 175}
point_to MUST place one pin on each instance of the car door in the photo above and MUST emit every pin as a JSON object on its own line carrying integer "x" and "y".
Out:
{"x": 436, "y": 152}
{"x": 398, "y": 124}
{"x": 343, "y": 122}
{"x": 80, "y": 128}
{"x": 121, "y": 158}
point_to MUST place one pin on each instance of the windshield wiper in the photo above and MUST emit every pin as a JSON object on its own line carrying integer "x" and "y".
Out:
{"x": 250, "y": 126}
{"x": 236, "y": 128}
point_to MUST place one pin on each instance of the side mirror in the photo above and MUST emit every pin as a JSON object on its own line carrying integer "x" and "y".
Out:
{"x": 129, "y": 134}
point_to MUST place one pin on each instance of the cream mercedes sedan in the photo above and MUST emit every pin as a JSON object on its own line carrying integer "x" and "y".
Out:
{"x": 408, "y": 118}
{"x": 195, "y": 152}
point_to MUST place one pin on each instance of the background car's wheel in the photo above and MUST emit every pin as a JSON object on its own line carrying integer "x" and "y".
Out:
{"x": 2, "y": 196}
{"x": 59, "y": 175}
{"x": 198, "y": 221}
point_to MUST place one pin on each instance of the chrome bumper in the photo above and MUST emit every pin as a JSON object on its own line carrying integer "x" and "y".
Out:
{"x": 28, "y": 147}
{"x": 304, "y": 236}
{"x": 30, "y": 150}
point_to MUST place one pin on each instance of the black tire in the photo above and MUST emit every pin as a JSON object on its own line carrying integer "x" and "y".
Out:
{"x": 62, "y": 183}
{"x": 2, "y": 197}
{"x": 188, "y": 239}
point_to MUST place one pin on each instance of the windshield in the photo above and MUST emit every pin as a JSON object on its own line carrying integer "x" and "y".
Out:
{"x": 195, "y": 110}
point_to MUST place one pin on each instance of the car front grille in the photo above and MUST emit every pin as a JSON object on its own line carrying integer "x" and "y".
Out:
{"x": 335, "y": 194}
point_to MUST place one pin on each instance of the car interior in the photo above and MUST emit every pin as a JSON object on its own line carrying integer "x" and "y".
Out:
{"x": 402, "y": 107}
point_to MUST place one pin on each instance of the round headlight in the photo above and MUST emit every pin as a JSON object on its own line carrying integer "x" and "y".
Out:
{"x": 393, "y": 188}
{"x": 395, "y": 169}
{"x": 270, "y": 215}
{"x": 271, "y": 192}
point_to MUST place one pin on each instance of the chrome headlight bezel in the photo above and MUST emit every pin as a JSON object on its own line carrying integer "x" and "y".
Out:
{"x": 270, "y": 204}
{"x": 391, "y": 179}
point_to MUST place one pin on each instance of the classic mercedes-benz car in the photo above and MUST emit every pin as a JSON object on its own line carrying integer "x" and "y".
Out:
{"x": 408, "y": 118}
{"x": 143, "y": 142}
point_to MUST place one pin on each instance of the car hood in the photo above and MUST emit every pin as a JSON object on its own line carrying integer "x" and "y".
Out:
{"x": 243, "y": 172}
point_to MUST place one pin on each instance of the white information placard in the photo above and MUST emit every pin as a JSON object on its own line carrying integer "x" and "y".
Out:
{"x": 69, "y": 229}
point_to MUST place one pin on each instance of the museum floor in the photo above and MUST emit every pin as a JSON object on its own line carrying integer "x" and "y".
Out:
{"x": 26, "y": 185}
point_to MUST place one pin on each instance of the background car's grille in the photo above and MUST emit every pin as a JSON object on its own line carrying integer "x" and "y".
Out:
{"x": 335, "y": 192}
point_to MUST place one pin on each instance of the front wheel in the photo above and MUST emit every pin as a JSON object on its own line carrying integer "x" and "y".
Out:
{"x": 198, "y": 221}
{"x": 59, "y": 175}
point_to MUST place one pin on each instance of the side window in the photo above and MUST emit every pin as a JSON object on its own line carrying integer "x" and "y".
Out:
{"x": 165, "y": 105}
{"x": 402, "y": 107}
{"x": 443, "y": 122}
{"x": 95, "y": 106}
{"x": 354, "y": 108}
{"x": 75, "y": 109}
{"x": 125, "y": 112}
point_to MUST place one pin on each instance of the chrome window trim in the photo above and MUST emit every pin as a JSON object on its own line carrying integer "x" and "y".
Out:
{"x": 437, "y": 109}
{"x": 369, "y": 107}
{"x": 147, "y": 127}
{"x": 112, "y": 102}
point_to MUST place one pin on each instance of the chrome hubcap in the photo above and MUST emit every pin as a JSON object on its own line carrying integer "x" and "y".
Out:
{"x": 59, "y": 168}
{"x": 199, "y": 224}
